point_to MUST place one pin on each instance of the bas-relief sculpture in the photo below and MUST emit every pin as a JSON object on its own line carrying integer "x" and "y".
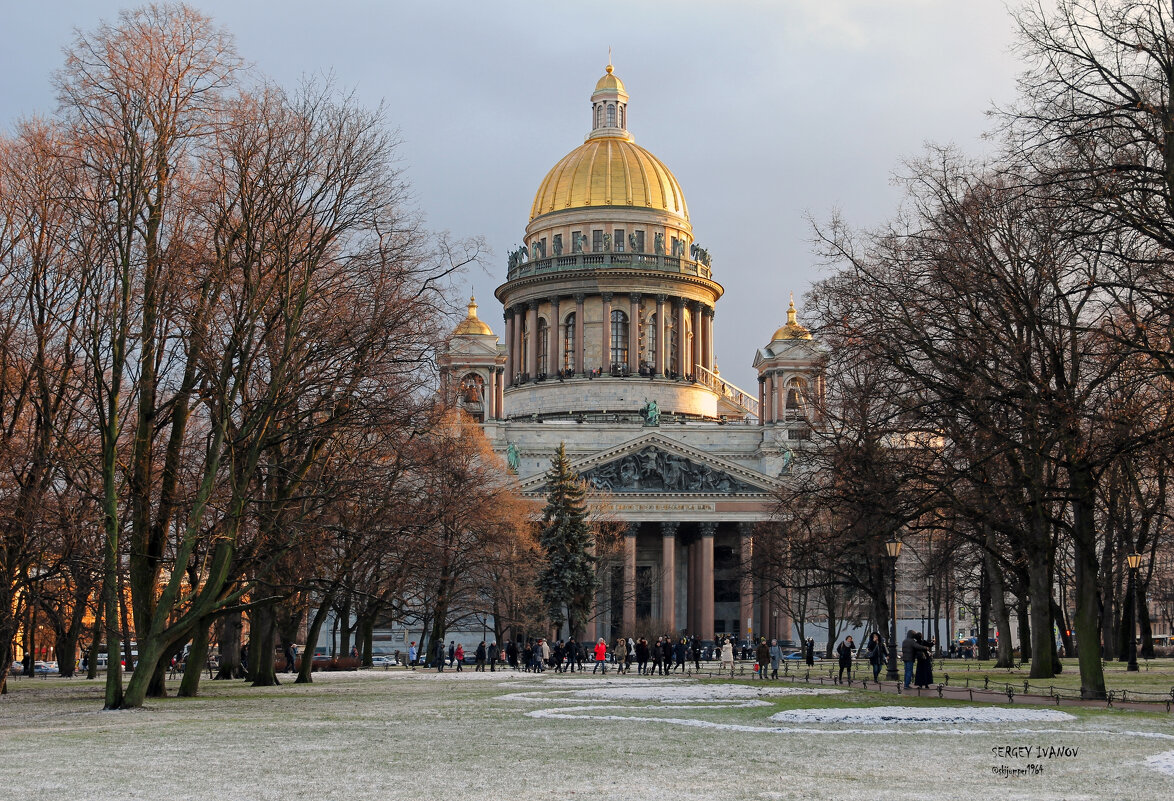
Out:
{"x": 655, "y": 470}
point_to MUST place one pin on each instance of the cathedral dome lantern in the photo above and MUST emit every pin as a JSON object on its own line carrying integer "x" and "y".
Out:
{"x": 472, "y": 324}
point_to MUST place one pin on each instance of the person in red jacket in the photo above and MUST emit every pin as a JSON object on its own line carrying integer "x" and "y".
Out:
{"x": 459, "y": 656}
{"x": 600, "y": 656}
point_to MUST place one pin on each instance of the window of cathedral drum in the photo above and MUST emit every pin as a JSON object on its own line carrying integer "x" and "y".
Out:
{"x": 619, "y": 339}
{"x": 674, "y": 339}
{"x": 599, "y": 116}
{"x": 618, "y": 240}
{"x": 639, "y": 241}
{"x": 569, "y": 343}
{"x": 796, "y": 398}
{"x": 472, "y": 389}
{"x": 543, "y": 346}
{"x": 611, "y": 115}
{"x": 597, "y": 240}
{"x": 648, "y": 343}
{"x": 576, "y": 237}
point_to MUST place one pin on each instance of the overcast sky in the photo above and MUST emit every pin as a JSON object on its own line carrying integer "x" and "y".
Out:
{"x": 767, "y": 112}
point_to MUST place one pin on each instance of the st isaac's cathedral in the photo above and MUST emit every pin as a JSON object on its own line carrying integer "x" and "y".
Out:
{"x": 609, "y": 312}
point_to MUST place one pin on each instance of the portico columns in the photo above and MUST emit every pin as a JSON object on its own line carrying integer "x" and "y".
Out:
{"x": 691, "y": 605}
{"x": 580, "y": 368}
{"x": 746, "y": 592}
{"x": 634, "y": 333}
{"x": 630, "y": 578}
{"x": 679, "y": 324}
{"x": 489, "y": 395}
{"x": 553, "y": 366}
{"x": 668, "y": 575}
{"x": 705, "y": 577}
{"x": 532, "y": 345}
{"x": 762, "y": 400}
{"x": 510, "y": 368}
{"x": 500, "y": 411}
{"x": 605, "y": 358}
{"x": 698, "y": 335}
{"x": 591, "y": 628}
{"x": 707, "y": 354}
{"x": 659, "y": 365}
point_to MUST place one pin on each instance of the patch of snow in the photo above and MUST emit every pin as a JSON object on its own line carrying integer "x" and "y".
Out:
{"x": 919, "y": 714}
{"x": 1163, "y": 762}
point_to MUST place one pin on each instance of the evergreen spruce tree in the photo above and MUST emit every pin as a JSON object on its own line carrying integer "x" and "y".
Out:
{"x": 567, "y": 581}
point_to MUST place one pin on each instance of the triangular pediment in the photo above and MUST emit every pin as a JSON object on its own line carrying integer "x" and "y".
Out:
{"x": 473, "y": 346}
{"x": 652, "y": 464}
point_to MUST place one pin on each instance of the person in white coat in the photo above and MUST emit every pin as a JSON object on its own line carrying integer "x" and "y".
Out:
{"x": 727, "y": 655}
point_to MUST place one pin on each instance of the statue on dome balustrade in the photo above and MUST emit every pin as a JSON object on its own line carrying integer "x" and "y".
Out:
{"x": 659, "y": 244}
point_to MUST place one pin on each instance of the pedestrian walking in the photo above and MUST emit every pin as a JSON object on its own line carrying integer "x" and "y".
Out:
{"x": 809, "y": 648}
{"x": 762, "y": 657}
{"x": 876, "y": 654}
{"x": 479, "y": 657}
{"x": 776, "y": 655}
{"x": 910, "y": 648}
{"x": 846, "y": 651}
{"x": 727, "y": 655}
{"x": 600, "y": 657}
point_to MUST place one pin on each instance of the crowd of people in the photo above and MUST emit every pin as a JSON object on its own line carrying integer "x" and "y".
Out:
{"x": 669, "y": 654}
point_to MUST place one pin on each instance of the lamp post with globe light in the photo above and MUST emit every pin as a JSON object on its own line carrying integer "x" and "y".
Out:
{"x": 893, "y": 549}
{"x": 1134, "y": 560}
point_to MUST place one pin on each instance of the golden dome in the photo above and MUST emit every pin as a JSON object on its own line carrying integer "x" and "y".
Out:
{"x": 471, "y": 324}
{"x": 609, "y": 171}
{"x": 609, "y": 82}
{"x": 792, "y": 330}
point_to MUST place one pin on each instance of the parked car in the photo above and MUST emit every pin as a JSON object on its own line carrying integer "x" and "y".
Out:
{"x": 384, "y": 661}
{"x": 45, "y": 668}
{"x": 797, "y": 656}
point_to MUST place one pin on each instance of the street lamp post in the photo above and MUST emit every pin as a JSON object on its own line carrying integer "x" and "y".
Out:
{"x": 1134, "y": 560}
{"x": 893, "y": 549}
{"x": 929, "y": 609}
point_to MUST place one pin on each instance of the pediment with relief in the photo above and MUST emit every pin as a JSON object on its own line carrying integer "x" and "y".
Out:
{"x": 655, "y": 466}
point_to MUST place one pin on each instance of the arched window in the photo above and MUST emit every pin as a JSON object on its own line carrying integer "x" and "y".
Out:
{"x": 599, "y": 115}
{"x": 543, "y": 346}
{"x": 648, "y": 343}
{"x": 611, "y": 115}
{"x": 619, "y": 338}
{"x": 796, "y": 399}
{"x": 674, "y": 340}
{"x": 569, "y": 343}
{"x": 472, "y": 389}
{"x": 622, "y": 108}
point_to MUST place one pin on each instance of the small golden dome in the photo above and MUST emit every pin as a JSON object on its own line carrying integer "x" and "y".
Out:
{"x": 792, "y": 330}
{"x": 609, "y": 171}
{"x": 471, "y": 324}
{"x": 610, "y": 83}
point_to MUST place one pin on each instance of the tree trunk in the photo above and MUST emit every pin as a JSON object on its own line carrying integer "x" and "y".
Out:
{"x": 829, "y": 601}
{"x": 997, "y": 595}
{"x": 307, "y": 666}
{"x": 65, "y": 646}
{"x": 1088, "y": 634}
{"x": 1021, "y": 607}
{"x": 1147, "y": 631}
{"x": 95, "y": 642}
{"x": 193, "y": 669}
{"x": 262, "y": 638}
{"x": 230, "y": 646}
{"x": 984, "y": 612}
{"x": 366, "y": 627}
{"x": 1065, "y": 637}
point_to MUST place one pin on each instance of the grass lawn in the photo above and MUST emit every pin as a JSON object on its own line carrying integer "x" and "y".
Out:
{"x": 403, "y": 734}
